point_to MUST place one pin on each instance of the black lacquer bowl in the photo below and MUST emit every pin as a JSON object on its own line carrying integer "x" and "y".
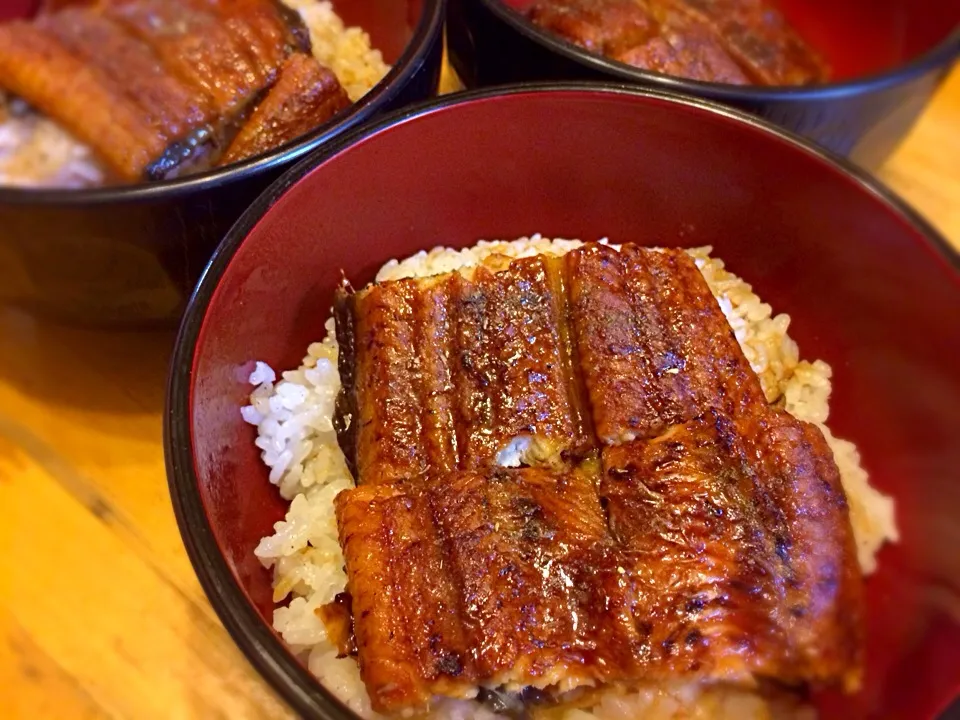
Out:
{"x": 870, "y": 288}
{"x": 129, "y": 256}
{"x": 887, "y": 56}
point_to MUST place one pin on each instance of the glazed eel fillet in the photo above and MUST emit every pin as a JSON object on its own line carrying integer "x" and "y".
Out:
{"x": 672, "y": 525}
{"x": 740, "y": 548}
{"x": 458, "y": 371}
{"x": 729, "y": 41}
{"x": 158, "y": 88}
{"x": 523, "y": 588}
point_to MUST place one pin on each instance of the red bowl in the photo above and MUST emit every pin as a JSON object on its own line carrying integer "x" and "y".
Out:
{"x": 871, "y": 287}
{"x": 129, "y": 256}
{"x": 888, "y": 58}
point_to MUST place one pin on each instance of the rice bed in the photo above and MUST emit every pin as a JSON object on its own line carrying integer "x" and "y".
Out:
{"x": 298, "y": 444}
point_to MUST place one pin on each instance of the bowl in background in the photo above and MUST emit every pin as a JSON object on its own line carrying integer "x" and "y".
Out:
{"x": 871, "y": 288}
{"x": 130, "y": 255}
{"x": 888, "y": 58}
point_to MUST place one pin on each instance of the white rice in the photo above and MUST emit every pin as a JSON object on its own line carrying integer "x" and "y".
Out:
{"x": 298, "y": 443}
{"x": 345, "y": 50}
{"x": 37, "y": 152}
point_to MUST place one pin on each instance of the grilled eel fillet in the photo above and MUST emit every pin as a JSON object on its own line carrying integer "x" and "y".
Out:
{"x": 718, "y": 550}
{"x": 729, "y": 41}
{"x": 739, "y": 546}
{"x": 440, "y": 374}
{"x": 156, "y": 87}
{"x": 654, "y": 346}
{"x": 687, "y": 530}
{"x": 643, "y": 34}
{"x": 523, "y": 584}
{"x": 305, "y": 95}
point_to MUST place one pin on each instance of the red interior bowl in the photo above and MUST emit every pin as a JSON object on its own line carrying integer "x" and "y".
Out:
{"x": 887, "y": 56}
{"x": 861, "y": 37}
{"x": 130, "y": 255}
{"x": 866, "y": 37}
{"x": 871, "y": 289}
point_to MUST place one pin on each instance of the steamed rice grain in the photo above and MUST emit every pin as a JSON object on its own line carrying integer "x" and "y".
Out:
{"x": 299, "y": 445}
{"x": 36, "y": 152}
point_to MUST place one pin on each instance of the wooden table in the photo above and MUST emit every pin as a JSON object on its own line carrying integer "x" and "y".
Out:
{"x": 100, "y": 612}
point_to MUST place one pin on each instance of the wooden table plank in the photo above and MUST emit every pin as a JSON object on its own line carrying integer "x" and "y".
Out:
{"x": 106, "y": 615}
{"x": 101, "y": 615}
{"x": 925, "y": 169}
{"x": 43, "y": 689}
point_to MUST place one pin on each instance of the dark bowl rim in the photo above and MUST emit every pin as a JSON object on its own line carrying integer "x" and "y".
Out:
{"x": 943, "y": 54}
{"x": 306, "y": 694}
{"x": 414, "y": 56}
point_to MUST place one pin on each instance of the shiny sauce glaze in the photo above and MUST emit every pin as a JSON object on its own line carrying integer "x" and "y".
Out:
{"x": 736, "y": 42}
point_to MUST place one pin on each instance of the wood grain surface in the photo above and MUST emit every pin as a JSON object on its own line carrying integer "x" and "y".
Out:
{"x": 100, "y": 612}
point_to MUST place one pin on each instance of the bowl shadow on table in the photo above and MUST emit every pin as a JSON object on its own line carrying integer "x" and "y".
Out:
{"x": 85, "y": 369}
